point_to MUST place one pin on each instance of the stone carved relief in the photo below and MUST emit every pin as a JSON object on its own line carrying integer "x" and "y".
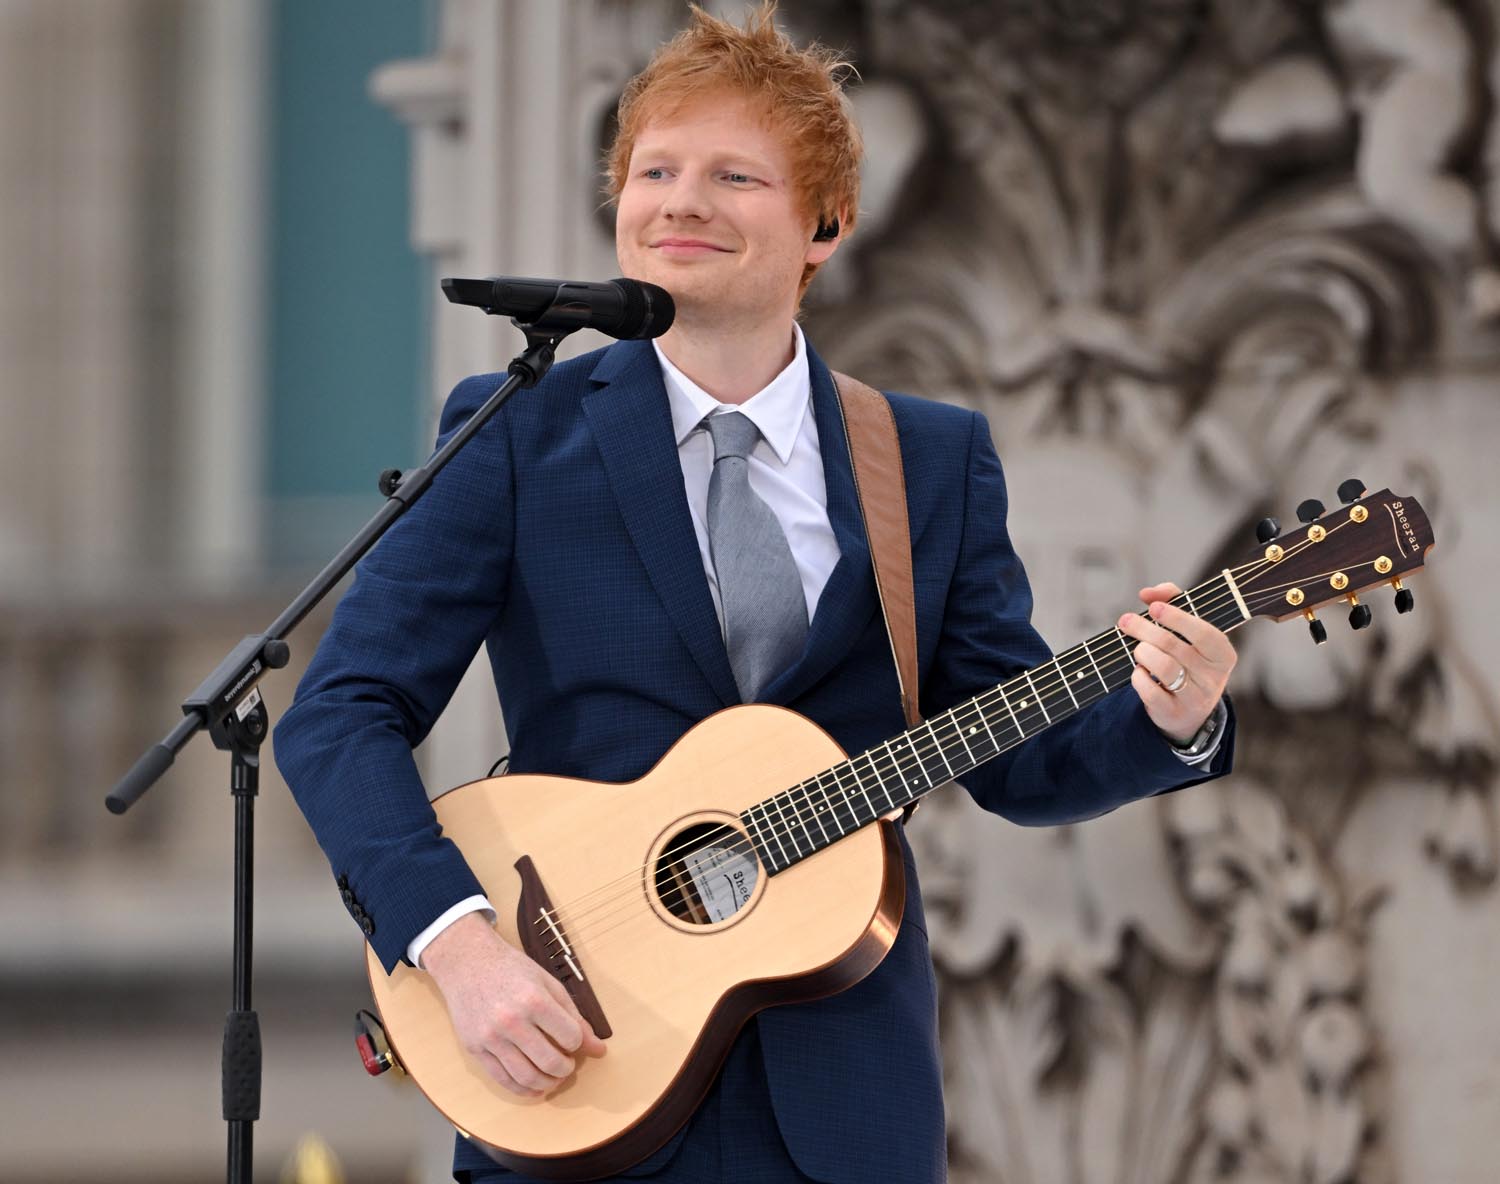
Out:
{"x": 1106, "y": 1021}
{"x": 1188, "y": 248}
{"x": 1286, "y": 1098}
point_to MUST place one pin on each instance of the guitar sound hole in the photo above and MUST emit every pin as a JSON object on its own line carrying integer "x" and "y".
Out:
{"x": 706, "y": 873}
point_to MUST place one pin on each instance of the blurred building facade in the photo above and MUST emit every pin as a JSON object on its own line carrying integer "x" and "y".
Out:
{"x": 210, "y": 345}
{"x": 1196, "y": 261}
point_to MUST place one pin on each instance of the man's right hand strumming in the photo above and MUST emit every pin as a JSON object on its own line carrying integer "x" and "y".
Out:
{"x": 509, "y": 1013}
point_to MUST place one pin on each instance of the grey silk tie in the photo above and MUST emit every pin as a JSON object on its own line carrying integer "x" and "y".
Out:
{"x": 765, "y": 613}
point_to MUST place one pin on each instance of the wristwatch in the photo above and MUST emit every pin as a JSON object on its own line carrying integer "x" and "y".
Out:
{"x": 1203, "y": 736}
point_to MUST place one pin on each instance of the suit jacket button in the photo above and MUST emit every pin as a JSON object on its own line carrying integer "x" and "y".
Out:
{"x": 367, "y": 925}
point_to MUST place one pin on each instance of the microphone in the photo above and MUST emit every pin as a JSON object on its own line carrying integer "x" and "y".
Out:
{"x": 627, "y": 309}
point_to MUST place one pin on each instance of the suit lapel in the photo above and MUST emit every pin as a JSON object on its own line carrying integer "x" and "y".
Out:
{"x": 849, "y": 598}
{"x": 632, "y": 427}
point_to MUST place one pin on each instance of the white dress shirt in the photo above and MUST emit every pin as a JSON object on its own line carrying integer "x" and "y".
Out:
{"x": 786, "y": 466}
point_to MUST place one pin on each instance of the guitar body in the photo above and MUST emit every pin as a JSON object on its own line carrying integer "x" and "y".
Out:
{"x": 674, "y": 977}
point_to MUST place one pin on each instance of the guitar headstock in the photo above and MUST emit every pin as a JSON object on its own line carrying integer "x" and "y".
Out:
{"x": 1371, "y": 540}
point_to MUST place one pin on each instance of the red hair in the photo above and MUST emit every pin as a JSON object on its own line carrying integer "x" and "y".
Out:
{"x": 802, "y": 91}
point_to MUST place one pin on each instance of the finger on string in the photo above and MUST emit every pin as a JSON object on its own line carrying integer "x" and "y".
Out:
{"x": 1197, "y": 632}
{"x": 1173, "y": 644}
{"x": 1154, "y": 649}
{"x": 1162, "y": 668}
{"x": 1154, "y": 637}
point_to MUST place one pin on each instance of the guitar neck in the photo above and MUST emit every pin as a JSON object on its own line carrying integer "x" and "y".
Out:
{"x": 802, "y": 820}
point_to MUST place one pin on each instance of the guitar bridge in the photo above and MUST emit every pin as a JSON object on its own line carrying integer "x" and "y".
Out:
{"x": 546, "y": 942}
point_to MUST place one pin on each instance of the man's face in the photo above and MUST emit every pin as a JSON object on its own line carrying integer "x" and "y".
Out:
{"x": 708, "y": 212}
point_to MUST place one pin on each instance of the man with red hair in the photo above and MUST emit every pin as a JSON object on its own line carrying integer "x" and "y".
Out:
{"x": 735, "y": 173}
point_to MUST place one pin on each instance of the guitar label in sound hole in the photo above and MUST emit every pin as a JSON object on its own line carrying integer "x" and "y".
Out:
{"x": 708, "y": 875}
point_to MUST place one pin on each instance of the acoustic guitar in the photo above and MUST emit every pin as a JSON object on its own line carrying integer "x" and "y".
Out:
{"x": 670, "y": 925}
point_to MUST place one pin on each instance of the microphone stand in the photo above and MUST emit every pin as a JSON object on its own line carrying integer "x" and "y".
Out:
{"x": 229, "y": 704}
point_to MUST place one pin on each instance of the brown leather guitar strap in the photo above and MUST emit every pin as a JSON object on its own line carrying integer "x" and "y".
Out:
{"x": 875, "y": 453}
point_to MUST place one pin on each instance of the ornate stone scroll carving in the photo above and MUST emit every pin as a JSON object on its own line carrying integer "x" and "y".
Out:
{"x": 1286, "y": 1099}
{"x": 1200, "y": 252}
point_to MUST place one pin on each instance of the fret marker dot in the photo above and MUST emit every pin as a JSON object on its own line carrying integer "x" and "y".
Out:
{"x": 1078, "y": 675}
{"x": 1024, "y": 703}
{"x": 973, "y": 730}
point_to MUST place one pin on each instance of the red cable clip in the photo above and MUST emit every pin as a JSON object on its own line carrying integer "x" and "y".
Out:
{"x": 369, "y": 1038}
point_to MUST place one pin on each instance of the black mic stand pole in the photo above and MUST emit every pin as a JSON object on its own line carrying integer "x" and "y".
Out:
{"x": 230, "y": 706}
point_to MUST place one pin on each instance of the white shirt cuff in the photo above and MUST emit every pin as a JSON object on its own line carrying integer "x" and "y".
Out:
{"x": 472, "y": 904}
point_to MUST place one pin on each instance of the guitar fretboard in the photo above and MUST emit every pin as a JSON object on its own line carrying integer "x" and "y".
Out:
{"x": 802, "y": 820}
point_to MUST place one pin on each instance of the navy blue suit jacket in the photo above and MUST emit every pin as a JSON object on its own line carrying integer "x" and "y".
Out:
{"x": 560, "y": 538}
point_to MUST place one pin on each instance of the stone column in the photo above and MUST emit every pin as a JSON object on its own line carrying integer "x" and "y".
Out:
{"x": 222, "y": 337}
{"x": 505, "y": 180}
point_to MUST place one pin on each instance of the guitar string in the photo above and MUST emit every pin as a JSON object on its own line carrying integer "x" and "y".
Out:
{"x": 804, "y": 811}
{"x": 893, "y": 764}
{"x": 914, "y": 754}
{"x": 817, "y": 809}
{"x": 599, "y": 928}
{"x": 880, "y": 766}
{"x": 596, "y": 925}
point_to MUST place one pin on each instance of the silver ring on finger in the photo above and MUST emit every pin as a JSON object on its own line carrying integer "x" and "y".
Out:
{"x": 1179, "y": 682}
